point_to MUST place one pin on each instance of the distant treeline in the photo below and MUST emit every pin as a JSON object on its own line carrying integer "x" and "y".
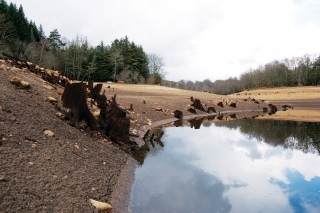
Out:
{"x": 122, "y": 60}
{"x": 299, "y": 71}
{"x": 297, "y": 135}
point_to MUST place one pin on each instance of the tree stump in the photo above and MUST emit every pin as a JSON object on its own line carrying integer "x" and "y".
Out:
{"x": 74, "y": 98}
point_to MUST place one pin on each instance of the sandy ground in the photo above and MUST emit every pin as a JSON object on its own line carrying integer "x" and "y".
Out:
{"x": 304, "y": 100}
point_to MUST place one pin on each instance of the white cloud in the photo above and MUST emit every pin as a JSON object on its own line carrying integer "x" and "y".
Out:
{"x": 197, "y": 39}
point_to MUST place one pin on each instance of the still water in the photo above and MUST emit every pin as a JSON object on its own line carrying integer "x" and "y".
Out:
{"x": 234, "y": 166}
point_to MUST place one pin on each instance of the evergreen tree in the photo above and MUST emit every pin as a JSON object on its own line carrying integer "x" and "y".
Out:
{"x": 3, "y": 7}
{"x": 103, "y": 64}
{"x": 22, "y": 26}
{"x": 55, "y": 44}
{"x": 55, "y": 40}
{"x": 41, "y": 33}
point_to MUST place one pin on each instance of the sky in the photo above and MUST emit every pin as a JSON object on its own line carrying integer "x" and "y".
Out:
{"x": 197, "y": 40}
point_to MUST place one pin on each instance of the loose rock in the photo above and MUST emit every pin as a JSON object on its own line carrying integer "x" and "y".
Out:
{"x": 60, "y": 91}
{"x": 46, "y": 86}
{"x": 158, "y": 109}
{"x": 20, "y": 83}
{"x": 59, "y": 114}
{"x": 15, "y": 81}
{"x": 48, "y": 133}
{"x": 51, "y": 100}
{"x": 24, "y": 84}
{"x": 105, "y": 207}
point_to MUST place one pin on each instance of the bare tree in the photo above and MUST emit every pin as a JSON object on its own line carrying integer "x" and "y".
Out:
{"x": 7, "y": 34}
{"x": 156, "y": 64}
{"x": 116, "y": 58}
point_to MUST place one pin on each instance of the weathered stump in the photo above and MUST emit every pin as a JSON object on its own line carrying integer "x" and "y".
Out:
{"x": 74, "y": 98}
{"x": 197, "y": 105}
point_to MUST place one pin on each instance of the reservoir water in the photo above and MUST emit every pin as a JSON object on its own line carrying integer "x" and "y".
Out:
{"x": 234, "y": 166}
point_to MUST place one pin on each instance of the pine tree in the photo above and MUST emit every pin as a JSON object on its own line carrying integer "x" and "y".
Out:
{"x": 41, "y": 33}
{"x": 3, "y": 7}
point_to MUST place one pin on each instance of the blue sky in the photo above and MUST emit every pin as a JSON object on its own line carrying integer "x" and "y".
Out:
{"x": 197, "y": 39}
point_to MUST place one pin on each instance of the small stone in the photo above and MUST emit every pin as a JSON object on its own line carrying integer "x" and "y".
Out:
{"x": 1, "y": 177}
{"x": 15, "y": 81}
{"x": 105, "y": 207}
{"x": 59, "y": 114}
{"x": 51, "y": 100}
{"x": 158, "y": 109}
{"x": 25, "y": 84}
{"x": 30, "y": 163}
{"x": 76, "y": 146}
{"x": 60, "y": 91}
{"x": 46, "y": 86}
{"x": 48, "y": 133}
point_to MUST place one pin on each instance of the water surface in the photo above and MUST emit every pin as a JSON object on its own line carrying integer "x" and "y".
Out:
{"x": 235, "y": 166}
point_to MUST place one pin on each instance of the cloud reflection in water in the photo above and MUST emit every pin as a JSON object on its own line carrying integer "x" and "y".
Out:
{"x": 218, "y": 169}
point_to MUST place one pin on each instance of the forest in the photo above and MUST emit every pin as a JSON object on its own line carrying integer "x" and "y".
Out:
{"x": 297, "y": 71}
{"x": 123, "y": 60}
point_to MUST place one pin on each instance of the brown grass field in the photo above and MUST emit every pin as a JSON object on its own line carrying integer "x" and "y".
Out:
{"x": 305, "y": 100}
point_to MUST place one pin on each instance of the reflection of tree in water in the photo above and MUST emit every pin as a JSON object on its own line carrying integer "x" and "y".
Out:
{"x": 153, "y": 145}
{"x": 304, "y": 136}
{"x": 196, "y": 123}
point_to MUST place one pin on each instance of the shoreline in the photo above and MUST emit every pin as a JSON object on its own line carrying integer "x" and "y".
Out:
{"x": 153, "y": 119}
{"x": 126, "y": 179}
{"x": 88, "y": 167}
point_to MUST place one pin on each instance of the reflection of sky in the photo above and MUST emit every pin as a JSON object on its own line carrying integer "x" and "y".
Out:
{"x": 215, "y": 169}
{"x": 304, "y": 196}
